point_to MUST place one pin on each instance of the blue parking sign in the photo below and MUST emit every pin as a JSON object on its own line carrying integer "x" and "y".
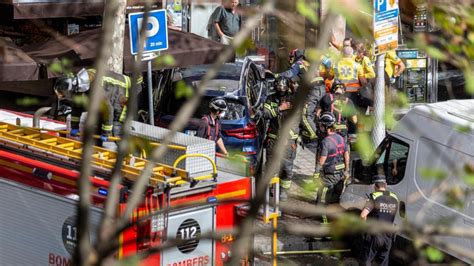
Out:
{"x": 380, "y": 5}
{"x": 156, "y": 32}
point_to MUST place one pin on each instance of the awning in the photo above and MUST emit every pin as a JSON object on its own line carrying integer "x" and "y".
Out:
{"x": 15, "y": 64}
{"x": 34, "y": 9}
{"x": 186, "y": 48}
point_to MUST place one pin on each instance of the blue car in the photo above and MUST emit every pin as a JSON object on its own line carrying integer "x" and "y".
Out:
{"x": 243, "y": 86}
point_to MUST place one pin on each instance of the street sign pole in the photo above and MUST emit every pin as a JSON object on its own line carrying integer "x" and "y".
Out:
{"x": 378, "y": 132}
{"x": 385, "y": 26}
{"x": 156, "y": 40}
{"x": 149, "y": 57}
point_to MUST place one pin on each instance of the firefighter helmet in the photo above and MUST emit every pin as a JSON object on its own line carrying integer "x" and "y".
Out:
{"x": 336, "y": 85}
{"x": 327, "y": 119}
{"x": 282, "y": 85}
{"x": 83, "y": 80}
{"x": 64, "y": 87}
{"x": 218, "y": 104}
{"x": 295, "y": 55}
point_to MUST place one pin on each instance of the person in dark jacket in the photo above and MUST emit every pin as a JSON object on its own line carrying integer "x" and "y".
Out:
{"x": 210, "y": 126}
{"x": 382, "y": 206}
{"x": 275, "y": 110}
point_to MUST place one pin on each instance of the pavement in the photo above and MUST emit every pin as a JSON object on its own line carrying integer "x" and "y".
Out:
{"x": 303, "y": 168}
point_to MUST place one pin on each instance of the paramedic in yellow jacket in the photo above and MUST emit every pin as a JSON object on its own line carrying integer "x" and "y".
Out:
{"x": 113, "y": 107}
{"x": 350, "y": 73}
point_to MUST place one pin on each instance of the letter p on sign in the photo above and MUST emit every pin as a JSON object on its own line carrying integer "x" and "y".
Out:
{"x": 153, "y": 26}
{"x": 156, "y": 31}
{"x": 380, "y": 5}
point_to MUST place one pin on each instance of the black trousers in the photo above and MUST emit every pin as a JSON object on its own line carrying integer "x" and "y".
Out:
{"x": 376, "y": 249}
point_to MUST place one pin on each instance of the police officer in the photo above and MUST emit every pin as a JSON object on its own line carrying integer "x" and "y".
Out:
{"x": 332, "y": 166}
{"x": 308, "y": 121}
{"x": 340, "y": 106}
{"x": 210, "y": 126}
{"x": 382, "y": 206}
{"x": 298, "y": 65}
{"x": 275, "y": 110}
{"x": 116, "y": 88}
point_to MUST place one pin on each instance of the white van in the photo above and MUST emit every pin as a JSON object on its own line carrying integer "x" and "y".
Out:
{"x": 432, "y": 147}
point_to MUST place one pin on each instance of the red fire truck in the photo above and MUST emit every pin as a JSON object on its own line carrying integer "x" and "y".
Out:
{"x": 38, "y": 191}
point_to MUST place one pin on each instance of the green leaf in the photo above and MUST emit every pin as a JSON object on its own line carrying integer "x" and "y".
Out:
{"x": 433, "y": 254}
{"x": 307, "y": 10}
{"x": 27, "y": 101}
{"x": 242, "y": 49}
{"x": 436, "y": 53}
{"x": 469, "y": 77}
{"x": 183, "y": 90}
{"x": 165, "y": 60}
{"x": 435, "y": 174}
{"x": 56, "y": 67}
{"x": 468, "y": 179}
{"x": 364, "y": 145}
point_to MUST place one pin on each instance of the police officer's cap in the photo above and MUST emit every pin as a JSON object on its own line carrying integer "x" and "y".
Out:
{"x": 379, "y": 179}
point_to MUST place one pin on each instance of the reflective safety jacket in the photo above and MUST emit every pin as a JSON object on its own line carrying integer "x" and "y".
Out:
{"x": 391, "y": 60}
{"x": 276, "y": 117}
{"x": 113, "y": 107}
{"x": 367, "y": 66}
{"x": 348, "y": 72}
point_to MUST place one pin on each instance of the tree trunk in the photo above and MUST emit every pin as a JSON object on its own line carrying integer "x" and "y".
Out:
{"x": 115, "y": 60}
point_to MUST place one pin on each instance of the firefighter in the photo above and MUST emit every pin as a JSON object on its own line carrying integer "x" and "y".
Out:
{"x": 332, "y": 164}
{"x": 298, "y": 65}
{"x": 210, "y": 126}
{"x": 382, "y": 206}
{"x": 113, "y": 107}
{"x": 308, "y": 125}
{"x": 351, "y": 74}
{"x": 341, "y": 107}
{"x": 275, "y": 110}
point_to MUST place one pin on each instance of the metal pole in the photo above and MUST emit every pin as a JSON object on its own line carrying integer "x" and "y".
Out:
{"x": 150, "y": 95}
{"x": 378, "y": 132}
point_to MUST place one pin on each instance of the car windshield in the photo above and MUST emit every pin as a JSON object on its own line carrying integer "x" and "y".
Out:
{"x": 227, "y": 78}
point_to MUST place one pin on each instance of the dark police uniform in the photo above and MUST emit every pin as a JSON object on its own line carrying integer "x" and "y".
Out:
{"x": 382, "y": 206}
{"x": 275, "y": 117}
{"x": 331, "y": 182}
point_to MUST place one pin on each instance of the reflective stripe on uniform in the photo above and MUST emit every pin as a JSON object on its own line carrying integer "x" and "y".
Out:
{"x": 114, "y": 82}
{"x": 340, "y": 166}
{"x": 308, "y": 127}
{"x": 293, "y": 135}
{"x": 271, "y": 109}
{"x": 75, "y": 119}
{"x": 340, "y": 127}
{"x": 286, "y": 184}
{"x": 107, "y": 127}
{"x": 272, "y": 136}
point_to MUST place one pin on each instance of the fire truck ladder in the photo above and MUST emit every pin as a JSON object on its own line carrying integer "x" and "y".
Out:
{"x": 40, "y": 141}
